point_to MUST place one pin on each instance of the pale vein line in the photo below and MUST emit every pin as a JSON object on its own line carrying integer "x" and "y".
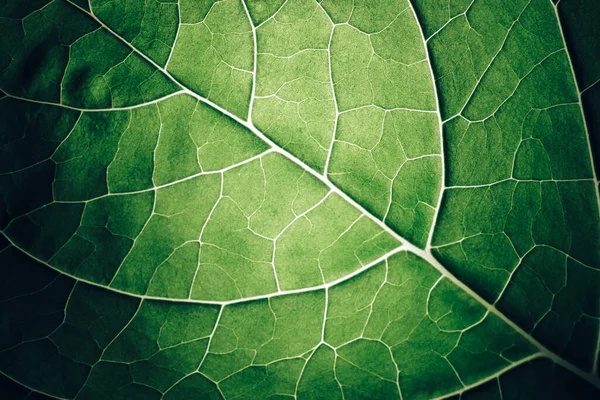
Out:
{"x": 408, "y": 246}
{"x": 335, "y": 103}
{"x": 272, "y": 17}
{"x": 30, "y": 388}
{"x": 212, "y": 335}
{"x": 154, "y": 188}
{"x": 441, "y": 134}
{"x": 487, "y": 185}
{"x": 427, "y": 255}
{"x": 300, "y": 376}
{"x": 176, "y": 34}
{"x": 450, "y": 20}
{"x": 388, "y": 109}
{"x": 214, "y": 207}
{"x": 91, "y": 110}
{"x": 519, "y": 82}
{"x": 483, "y": 74}
{"x": 593, "y": 379}
{"x": 591, "y": 156}
{"x": 254, "y": 52}
{"x": 590, "y": 86}
{"x": 492, "y": 377}
{"x": 215, "y": 302}
{"x": 250, "y": 126}
{"x": 132, "y": 47}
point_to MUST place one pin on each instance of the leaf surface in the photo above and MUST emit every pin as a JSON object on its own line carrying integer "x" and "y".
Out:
{"x": 336, "y": 199}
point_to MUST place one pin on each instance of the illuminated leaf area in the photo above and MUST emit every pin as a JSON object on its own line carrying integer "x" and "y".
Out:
{"x": 270, "y": 199}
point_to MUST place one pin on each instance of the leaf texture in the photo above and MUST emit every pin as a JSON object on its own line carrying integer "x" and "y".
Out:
{"x": 299, "y": 199}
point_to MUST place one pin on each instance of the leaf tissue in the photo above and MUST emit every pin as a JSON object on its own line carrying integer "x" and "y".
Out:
{"x": 301, "y": 199}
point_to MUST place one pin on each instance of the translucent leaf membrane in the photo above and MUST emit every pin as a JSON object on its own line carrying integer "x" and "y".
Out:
{"x": 530, "y": 380}
{"x": 518, "y": 221}
{"x": 70, "y": 339}
{"x": 583, "y": 44}
{"x": 150, "y": 26}
{"x": 296, "y": 198}
{"x": 213, "y": 53}
{"x": 13, "y": 391}
{"x": 52, "y": 51}
{"x": 174, "y": 199}
{"x": 349, "y": 92}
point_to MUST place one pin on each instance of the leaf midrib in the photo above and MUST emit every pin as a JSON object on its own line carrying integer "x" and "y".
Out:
{"x": 405, "y": 245}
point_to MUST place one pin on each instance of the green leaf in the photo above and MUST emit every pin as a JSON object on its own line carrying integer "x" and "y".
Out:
{"x": 296, "y": 198}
